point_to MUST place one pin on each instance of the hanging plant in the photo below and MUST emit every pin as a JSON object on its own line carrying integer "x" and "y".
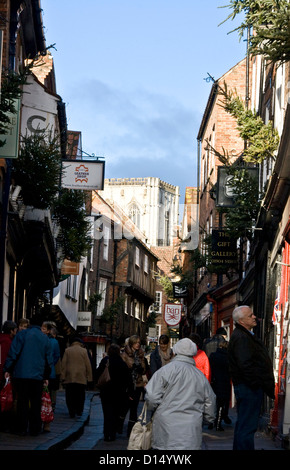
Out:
{"x": 37, "y": 169}
{"x": 111, "y": 312}
{"x": 69, "y": 211}
{"x": 269, "y": 21}
{"x": 262, "y": 139}
{"x": 241, "y": 218}
{"x": 94, "y": 299}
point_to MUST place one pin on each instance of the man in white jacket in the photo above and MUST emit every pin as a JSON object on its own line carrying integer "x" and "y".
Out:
{"x": 184, "y": 399}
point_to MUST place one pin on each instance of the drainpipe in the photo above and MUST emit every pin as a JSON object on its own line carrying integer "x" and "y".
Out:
{"x": 198, "y": 168}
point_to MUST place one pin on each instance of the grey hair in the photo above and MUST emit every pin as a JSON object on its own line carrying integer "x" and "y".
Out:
{"x": 238, "y": 313}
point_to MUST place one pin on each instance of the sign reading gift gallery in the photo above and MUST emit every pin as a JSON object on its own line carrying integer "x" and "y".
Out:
{"x": 223, "y": 249}
{"x": 83, "y": 174}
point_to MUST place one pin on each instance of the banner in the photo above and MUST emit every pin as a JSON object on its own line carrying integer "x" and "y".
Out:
{"x": 276, "y": 310}
{"x": 83, "y": 174}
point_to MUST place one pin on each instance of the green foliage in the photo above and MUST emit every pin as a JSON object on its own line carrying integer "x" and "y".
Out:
{"x": 94, "y": 299}
{"x": 151, "y": 319}
{"x": 70, "y": 213}
{"x": 166, "y": 283}
{"x": 241, "y": 217}
{"x": 269, "y": 21}
{"x": 11, "y": 90}
{"x": 37, "y": 169}
{"x": 111, "y": 312}
{"x": 262, "y": 139}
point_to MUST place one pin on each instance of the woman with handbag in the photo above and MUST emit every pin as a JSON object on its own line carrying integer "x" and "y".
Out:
{"x": 182, "y": 398}
{"x": 133, "y": 356}
{"x": 115, "y": 384}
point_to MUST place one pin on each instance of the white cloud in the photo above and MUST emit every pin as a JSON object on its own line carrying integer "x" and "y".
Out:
{"x": 140, "y": 133}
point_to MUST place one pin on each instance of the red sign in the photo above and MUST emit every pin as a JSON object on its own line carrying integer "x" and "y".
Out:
{"x": 172, "y": 314}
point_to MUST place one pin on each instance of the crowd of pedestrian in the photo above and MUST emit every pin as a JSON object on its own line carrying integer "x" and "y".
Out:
{"x": 30, "y": 360}
{"x": 184, "y": 385}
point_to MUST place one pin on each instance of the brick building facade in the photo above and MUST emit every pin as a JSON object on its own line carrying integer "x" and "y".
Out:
{"x": 214, "y": 295}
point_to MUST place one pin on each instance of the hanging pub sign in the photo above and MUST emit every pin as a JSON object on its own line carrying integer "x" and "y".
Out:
{"x": 11, "y": 137}
{"x": 172, "y": 314}
{"x": 179, "y": 291}
{"x": 83, "y": 174}
{"x": 223, "y": 249}
{"x": 225, "y": 195}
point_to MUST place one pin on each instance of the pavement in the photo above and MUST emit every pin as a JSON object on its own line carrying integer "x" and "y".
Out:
{"x": 86, "y": 433}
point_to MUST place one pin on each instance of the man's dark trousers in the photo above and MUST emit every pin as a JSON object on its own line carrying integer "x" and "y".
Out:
{"x": 249, "y": 403}
{"x": 29, "y": 392}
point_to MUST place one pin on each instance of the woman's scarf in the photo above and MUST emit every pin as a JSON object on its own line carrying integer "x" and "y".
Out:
{"x": 137, "y": 366}
{"x": 165, "y": 356}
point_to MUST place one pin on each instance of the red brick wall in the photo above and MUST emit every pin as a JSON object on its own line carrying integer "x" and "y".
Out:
{"x": 221, "y": 129}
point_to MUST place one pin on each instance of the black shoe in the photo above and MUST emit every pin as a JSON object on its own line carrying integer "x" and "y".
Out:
{"x": 219, "y": 428}
{"x": 227, "y": 420}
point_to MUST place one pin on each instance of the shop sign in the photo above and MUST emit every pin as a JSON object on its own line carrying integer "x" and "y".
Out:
{"x": 84, "y": 319}
{"x": 223, "y": 249}
{"x": 225, "y": 195}
{"x": 70, "y": 267}
{"x": 83, "y": 174}
{"x": 11, "y": 136}
{"x": 179, "y": 291}
{"x": 172, "y": 314}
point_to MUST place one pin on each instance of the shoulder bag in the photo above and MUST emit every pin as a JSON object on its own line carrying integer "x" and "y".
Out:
{"x": 141, "y": 434}
{"x": 104, "y": 377}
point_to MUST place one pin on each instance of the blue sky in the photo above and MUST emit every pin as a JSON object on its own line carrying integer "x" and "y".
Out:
{"x": 132, "y": 74}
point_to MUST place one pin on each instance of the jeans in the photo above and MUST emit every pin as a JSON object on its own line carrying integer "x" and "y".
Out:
{"x": 249, "y": 403}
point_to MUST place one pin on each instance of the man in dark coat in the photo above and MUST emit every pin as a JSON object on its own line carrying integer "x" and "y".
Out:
{"x": 221, "y": 383}
{"x": 251, "y": 371}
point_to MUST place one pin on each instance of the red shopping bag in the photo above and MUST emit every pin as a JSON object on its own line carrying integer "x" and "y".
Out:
{"x": 6, "y": 396}
{"x": 46, "y": 407}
